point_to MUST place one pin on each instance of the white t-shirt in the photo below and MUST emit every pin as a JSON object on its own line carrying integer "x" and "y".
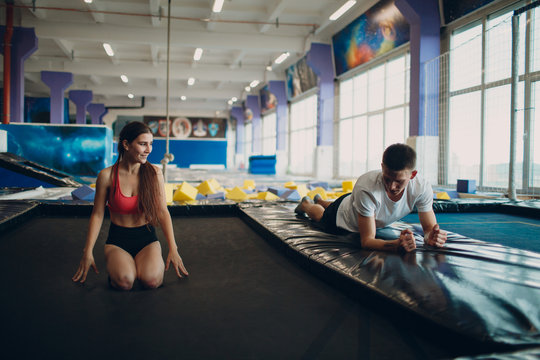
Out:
{"x": 369, "y": 198}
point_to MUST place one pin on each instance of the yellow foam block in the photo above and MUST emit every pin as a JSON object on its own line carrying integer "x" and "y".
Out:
{"x": 290, "y": 185}
{"x": 185, "y": 192}
{"x": 93, "y": 186}
{"x": 249, "y": 184}
{"x": 267, "y": 195}
{"x": 252, "y": 195}
{"x": 347, "y": 185}
{"x": 169, "y": 191}
{"x": 318, "y": 190}
{"x": 215, "y": 183}
{"x": 236, "y": 194}
{"x": 206, "y": 187}
{"x": 332, "y": 194}
{"x": 302, "y": 190}
{"x": 443, "y": 195}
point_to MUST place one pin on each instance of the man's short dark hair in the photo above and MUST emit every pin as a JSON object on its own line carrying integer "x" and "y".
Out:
{"x": 399, "y": 157}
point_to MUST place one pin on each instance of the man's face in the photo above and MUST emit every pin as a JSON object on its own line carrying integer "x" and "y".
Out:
{"x": 396, "y": 181}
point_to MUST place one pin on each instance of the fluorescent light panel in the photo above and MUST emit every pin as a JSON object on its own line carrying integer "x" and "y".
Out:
{"x": 108, "y": 49}
{"x": 130, "y": 96}
{"x": 218, "y": 4}
{"x": 281, "y": 58}
{"x": 342, "y": 10}
{"x": 198, "y": 54}
{"x": 254, "y": 83}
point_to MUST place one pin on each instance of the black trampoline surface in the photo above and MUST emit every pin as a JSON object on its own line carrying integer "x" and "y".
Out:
{"x": 243, "y": 299}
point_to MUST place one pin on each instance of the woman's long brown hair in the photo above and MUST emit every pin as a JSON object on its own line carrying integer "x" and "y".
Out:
{"x": 149, "y": 194}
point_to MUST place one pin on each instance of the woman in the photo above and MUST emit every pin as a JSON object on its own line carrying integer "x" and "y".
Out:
{"x": 134, "y": 191}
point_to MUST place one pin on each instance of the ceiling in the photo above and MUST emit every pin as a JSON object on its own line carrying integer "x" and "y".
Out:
{"x": 239, "y": 44}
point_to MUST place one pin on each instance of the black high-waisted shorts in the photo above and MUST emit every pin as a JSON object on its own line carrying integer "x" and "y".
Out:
{"x": 131, "y": 240}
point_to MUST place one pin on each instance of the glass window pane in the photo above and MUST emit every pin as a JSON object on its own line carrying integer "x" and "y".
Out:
{"x": 395, "y": 82}
{"x": 464, "y": 138}
{"x": 360, "y": 94}
{"x": 375, "y": 142}
{"x": 394, "y": 127}
{"x": 499, "y": 47}
{"x": 360, "y": 144}
{"x": 376, "y": 88}
{"x": 535, "y": 27}
{"x": 535, "y": 139}
{"x": 303, "y": 135}
{"x": 345, "y": 144}
{"x": 466, "y": 58}
{"x": 345, "y": 98}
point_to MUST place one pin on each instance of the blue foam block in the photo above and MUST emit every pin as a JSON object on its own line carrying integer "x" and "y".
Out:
{"x": 200, "y": 196}
{"x": 466, "y": 186}
{"x": 323, "y": 184}
{"x": 278, "y": 190}
{"x": 292, "y": 195}
{"x": 218, "y": 195}
{"x": 85, "y": 192}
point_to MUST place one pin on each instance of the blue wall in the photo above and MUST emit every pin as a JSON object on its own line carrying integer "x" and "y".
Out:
{"x": 188, "y": 152}
{"x": 79, "y": 150}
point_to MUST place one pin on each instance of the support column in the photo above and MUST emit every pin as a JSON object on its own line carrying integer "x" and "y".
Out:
{"x": 238, "y": 113}
{"x": 252, "y": 102}
{"x": 97, "y": 111}
{"x": 23, "y": 44}
{"x": 81, "y": 98}
{"x": 279, "y": 90}
{"x": 424, "y": 21}
{"x": 57, "y": 82}
{"x": 319, "y": 58}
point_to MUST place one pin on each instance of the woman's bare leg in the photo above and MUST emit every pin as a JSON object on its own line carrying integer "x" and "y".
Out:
{"x": 121, "y": 267}
{"x": 150, "y": 266}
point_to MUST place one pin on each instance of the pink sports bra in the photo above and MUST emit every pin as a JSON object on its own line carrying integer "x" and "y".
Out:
{"x": 120, "y": 204}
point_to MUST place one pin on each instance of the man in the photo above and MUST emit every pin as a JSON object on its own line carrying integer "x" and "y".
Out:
{"x": 379, "y": 198}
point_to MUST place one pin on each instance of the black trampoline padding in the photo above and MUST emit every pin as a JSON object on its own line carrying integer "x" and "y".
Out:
{"x": 486, "y": 292}
{"x": 242, "y": 300}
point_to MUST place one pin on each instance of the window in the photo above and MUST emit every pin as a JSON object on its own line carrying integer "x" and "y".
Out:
{"x": 303, "y": 136}
{"x": 248, "y": 143}
{"x": 479, "y": 108}
{"x": 373, "y": 113}
{"x": 269, "y": 134}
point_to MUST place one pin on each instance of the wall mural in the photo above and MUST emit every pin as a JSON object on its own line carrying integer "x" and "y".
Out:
{"x": 300, "y": 78}
{"x": 268, "y": 100}
{"x": 79, "y": 150}
{"x": 377, "y": 31}
{"x": 187, "y": 127}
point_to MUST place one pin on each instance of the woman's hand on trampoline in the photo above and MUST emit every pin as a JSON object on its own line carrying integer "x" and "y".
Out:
{"x": 406, "y": 240}
{"x": 177, "y": 263}
{"x": 87, "y": 261}
{"x": 436, "y": 237}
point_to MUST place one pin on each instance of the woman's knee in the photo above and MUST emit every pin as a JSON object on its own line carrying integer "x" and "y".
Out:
{"x": 123, "y": 281}
{"x": 151, "y": 281}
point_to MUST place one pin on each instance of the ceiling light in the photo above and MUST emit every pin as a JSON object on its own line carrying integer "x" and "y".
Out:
{"x": 108, "y": 49}
{"x": 198, "y": 54}
{"x": 183, "y": 98}
{"x": 254, "y": 83}
{"x": 281, "y": 58}
{"x": 269, "y": 68}
{"x": 88, "y": 1}
{"x": 191, "y": 81}
{"x": 130, "y": 96}
{"x": 234, "y": 99}
{"x": 218, "y": 4}
{"x": 124, "y": 78}
{"x": 230, "y": 102}
{"x": 247, "y": 88}
{"x": 342, "y": 10}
